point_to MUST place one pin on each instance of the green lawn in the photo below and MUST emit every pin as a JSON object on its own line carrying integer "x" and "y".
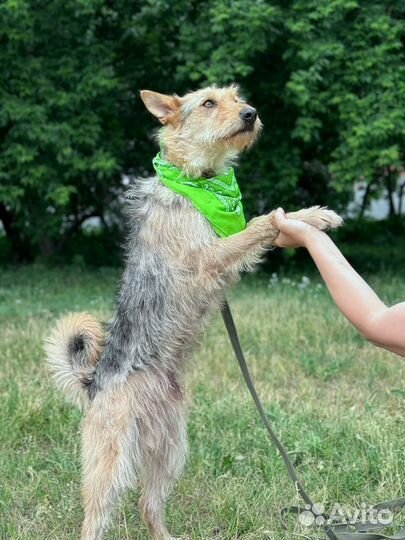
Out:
{"x": 336, "y": 401}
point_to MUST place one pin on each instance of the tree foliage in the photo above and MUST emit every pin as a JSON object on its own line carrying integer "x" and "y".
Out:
{"x": 326, "y": 75}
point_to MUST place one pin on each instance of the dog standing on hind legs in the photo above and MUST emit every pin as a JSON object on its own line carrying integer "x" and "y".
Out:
{"x": 129, "y": 378}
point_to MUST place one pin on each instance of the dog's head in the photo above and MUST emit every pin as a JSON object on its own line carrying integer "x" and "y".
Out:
{"x": 203, "y": 130}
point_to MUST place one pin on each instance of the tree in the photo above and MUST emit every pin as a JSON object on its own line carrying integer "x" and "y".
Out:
{"x": 347, "y": 79}
{"x": 327, "y": 77}
{"x": 60, "y": 136}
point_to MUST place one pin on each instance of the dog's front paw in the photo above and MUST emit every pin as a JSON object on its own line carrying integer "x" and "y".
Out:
{"x": 264, "y": 227}
{"x": 327, "y": 219}
{"x": 320, "y": 217}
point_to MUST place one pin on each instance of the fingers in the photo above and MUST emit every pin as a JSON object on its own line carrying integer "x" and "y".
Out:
{"x": 279, "y": 217}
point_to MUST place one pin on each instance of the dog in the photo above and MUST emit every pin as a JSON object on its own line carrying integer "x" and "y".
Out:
{"x": 129, "y": 377}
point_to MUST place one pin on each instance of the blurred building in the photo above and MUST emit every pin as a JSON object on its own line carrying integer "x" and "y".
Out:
{"x": 378, "y": 206}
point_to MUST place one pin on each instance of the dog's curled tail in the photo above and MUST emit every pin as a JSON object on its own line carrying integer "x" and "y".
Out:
{"x": 73, "y": 350}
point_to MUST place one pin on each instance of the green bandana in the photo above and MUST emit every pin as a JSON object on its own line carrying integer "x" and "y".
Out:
{"x": 218, "y": 198}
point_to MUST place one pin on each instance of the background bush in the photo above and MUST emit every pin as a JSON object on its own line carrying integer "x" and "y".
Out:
{"x": 370, "y": 246}
{"x": 327, "y": 78}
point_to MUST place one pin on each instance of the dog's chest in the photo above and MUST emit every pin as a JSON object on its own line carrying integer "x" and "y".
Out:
{"x": 182, "y": 236}
{"x": 177, "y": 223}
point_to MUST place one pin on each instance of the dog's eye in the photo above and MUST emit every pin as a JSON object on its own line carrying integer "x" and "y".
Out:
{"x": 209, "y": 104}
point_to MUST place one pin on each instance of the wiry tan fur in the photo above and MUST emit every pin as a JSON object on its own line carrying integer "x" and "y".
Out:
{"x": 131, "y": 378}
{"x": 144, "y": 438}
{"x": 199, "y": 142}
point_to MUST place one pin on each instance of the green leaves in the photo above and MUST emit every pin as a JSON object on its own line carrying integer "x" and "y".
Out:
{"x": 230, "y": 34}
{"x": 60, "y": 195}
{"x": 349, "y": 77}
{"x": 327, "y": 77}
{"x": 58, "y": 89}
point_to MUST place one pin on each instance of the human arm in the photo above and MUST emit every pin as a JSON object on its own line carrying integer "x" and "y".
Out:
{"x": 384, "y": 326}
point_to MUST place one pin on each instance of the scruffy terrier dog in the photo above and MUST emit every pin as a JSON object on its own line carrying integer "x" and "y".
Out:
{"x": 129, "y": 377}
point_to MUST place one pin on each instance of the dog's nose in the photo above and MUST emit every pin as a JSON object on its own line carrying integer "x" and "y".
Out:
{"x": 248, "y": 114}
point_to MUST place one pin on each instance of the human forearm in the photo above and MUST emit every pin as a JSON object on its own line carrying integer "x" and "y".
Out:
{"x": 353, "y": 296}
{"x": 380, "y": 324}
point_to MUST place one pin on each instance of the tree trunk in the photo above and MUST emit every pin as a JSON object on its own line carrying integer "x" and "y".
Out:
{"x": 47, "y": 247}
{"x": 20, "y": 249}
{"x": 400, "y": 194}
{"x": 365, "y": 198}
{"x": 390, "y": 191}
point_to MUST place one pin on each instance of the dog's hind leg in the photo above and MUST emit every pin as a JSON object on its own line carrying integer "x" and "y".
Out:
{"x": 108, "y": 458}
{"x": 162, "y": 464}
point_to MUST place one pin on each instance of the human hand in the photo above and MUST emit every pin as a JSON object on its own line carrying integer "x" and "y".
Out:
{"x": 293, "y": 233}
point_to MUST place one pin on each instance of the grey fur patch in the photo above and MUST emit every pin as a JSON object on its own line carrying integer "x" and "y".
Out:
{"x": 78, "y": 352}
{"x": 137, "y": 333}
{"x": 161, "y": 306}
{"x": 92, "y": 388}
{"x": 77, "y": 345}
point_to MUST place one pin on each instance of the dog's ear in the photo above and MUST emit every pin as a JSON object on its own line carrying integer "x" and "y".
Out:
{"x": 165, "y": 108}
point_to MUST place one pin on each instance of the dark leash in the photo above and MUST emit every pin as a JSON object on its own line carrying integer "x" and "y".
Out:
{"x": 334, "y": 527}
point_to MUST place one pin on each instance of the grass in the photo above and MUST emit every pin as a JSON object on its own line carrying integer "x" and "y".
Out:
{"x": 336, "y": 401}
